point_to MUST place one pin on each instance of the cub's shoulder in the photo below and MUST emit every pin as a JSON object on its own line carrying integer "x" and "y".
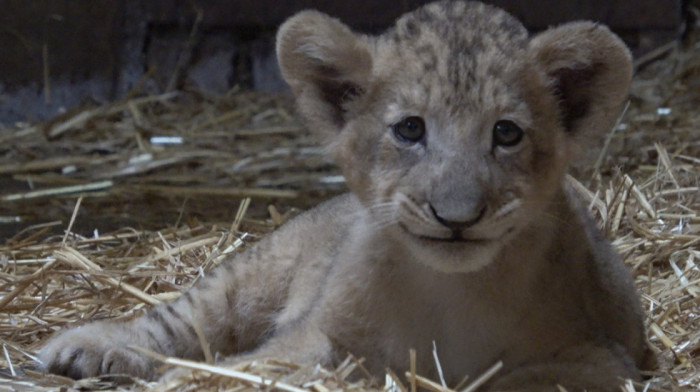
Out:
{"x": 338, "y": 210}
{"x": 323, "y": 223}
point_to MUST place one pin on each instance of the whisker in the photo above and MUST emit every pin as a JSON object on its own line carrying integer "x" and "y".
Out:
{"x": 508, "y": 208}
{"x": 381, "y": 215}
{"x": 373, "y": 209}
{"x": 377, "y": 225}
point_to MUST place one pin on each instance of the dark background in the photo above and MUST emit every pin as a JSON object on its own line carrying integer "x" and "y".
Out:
{"x": 59, "y": 54}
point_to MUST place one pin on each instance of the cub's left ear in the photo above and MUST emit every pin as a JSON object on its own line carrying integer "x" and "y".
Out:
{"x": 326, "y": 65}
{"x": 589, "y": 70}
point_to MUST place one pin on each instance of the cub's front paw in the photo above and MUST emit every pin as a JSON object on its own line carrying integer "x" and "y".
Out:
{"x": 94, "y": 350}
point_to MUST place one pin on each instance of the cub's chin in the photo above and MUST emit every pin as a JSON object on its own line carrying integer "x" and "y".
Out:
{"x": 448, "y": 254}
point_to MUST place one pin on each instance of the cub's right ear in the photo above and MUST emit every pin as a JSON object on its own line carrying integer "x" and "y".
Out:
{"x": 326, "y": 65}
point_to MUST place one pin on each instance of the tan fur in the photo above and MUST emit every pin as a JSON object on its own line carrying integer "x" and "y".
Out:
{"x": 518, "y": 273}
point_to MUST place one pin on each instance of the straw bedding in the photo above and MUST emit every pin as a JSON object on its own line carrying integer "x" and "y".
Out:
{"x": 113, "y": 220}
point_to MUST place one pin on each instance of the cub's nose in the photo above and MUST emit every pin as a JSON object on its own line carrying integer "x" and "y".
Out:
{"x": 463, "y": 221}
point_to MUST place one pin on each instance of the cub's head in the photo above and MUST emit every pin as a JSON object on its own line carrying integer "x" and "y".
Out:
{"x": 454, "y": 127}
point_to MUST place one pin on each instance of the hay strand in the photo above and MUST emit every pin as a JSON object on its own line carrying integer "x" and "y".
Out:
{"x": 76, "y": 259}
{"x": 222, "y": 371}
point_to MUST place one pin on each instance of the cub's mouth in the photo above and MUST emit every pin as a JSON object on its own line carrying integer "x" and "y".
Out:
{"x": 455, "y": 238}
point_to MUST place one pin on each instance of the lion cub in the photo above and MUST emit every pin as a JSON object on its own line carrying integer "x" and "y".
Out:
{"x": 454, "y": 130}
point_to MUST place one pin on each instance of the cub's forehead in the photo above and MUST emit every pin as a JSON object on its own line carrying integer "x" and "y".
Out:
{"x": 460, "y": 20}
{"x": 455, "y": 47}
{"x": 458, "y": 27}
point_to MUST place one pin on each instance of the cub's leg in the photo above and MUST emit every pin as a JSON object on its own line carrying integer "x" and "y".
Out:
{"x": 585, "y": 368}
{"x": 305, "y": 343}
{"x": 235, "y": 307}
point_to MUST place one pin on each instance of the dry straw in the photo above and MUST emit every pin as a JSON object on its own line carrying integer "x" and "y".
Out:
{"x": 645, "y": 195}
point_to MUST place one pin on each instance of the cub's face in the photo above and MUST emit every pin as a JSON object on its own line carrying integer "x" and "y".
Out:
{"x": 454, "y": 127}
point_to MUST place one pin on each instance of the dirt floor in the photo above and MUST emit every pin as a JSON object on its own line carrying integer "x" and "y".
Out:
{"x": 99, "y": 218}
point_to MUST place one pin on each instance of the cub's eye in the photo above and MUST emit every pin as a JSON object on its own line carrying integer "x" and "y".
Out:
{"x": 507, "y": 133}
{"x": 410, "y": 129}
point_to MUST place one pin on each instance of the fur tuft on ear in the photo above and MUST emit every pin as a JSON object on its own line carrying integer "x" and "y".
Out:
{"x": 589, "y": 70}
{"x": 325, "y": 64}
